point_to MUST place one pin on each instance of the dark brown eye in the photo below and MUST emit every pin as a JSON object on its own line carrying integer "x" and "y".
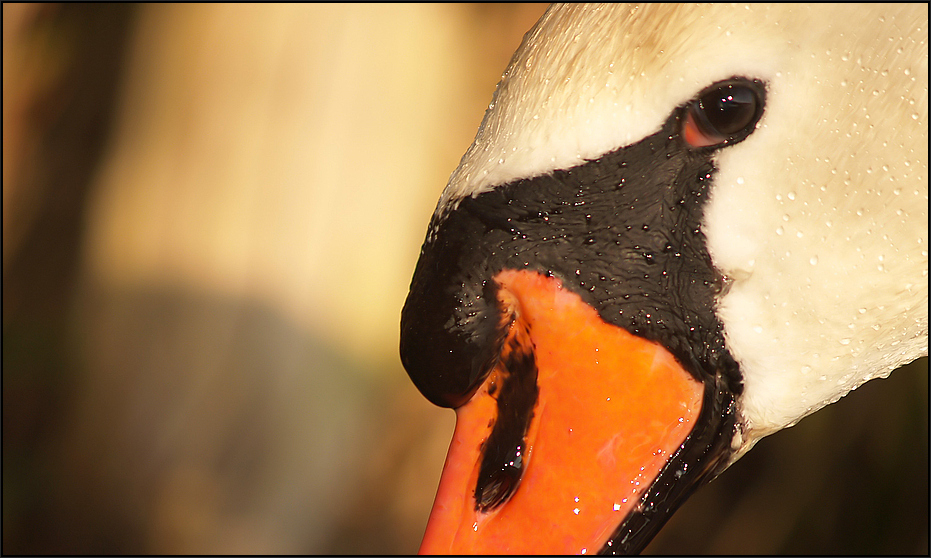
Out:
{"x": 724, "y": 113}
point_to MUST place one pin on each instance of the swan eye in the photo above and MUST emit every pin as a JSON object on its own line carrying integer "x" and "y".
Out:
{"x": 724, "y": 113}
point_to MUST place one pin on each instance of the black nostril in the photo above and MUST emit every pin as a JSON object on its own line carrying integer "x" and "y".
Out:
{"x": 504, "y": 458}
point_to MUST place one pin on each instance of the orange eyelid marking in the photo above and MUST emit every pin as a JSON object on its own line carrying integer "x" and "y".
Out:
{"x": 694, "y": 136}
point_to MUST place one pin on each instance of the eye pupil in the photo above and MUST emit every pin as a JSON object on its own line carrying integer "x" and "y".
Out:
{"x": 724, "y": 113}
{"x": 728, "y": 109}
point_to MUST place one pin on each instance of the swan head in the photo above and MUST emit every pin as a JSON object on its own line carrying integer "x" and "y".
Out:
{"x": 774, "y": 265}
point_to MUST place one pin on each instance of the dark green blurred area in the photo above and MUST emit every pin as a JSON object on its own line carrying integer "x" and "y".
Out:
{"x": 58, "y": 111}
{"x": 851, "y": 479}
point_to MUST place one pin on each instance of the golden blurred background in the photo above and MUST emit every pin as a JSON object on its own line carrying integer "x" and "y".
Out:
{"x": 210, "y": 218}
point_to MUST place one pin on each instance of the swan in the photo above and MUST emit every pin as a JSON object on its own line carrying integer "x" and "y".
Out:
{"x": 680, "y": 228}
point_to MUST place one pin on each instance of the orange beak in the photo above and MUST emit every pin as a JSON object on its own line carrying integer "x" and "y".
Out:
{"x": 610, "y": 412}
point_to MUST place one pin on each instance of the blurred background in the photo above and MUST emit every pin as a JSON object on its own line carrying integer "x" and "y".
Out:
{"x": 210, "y": 218}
